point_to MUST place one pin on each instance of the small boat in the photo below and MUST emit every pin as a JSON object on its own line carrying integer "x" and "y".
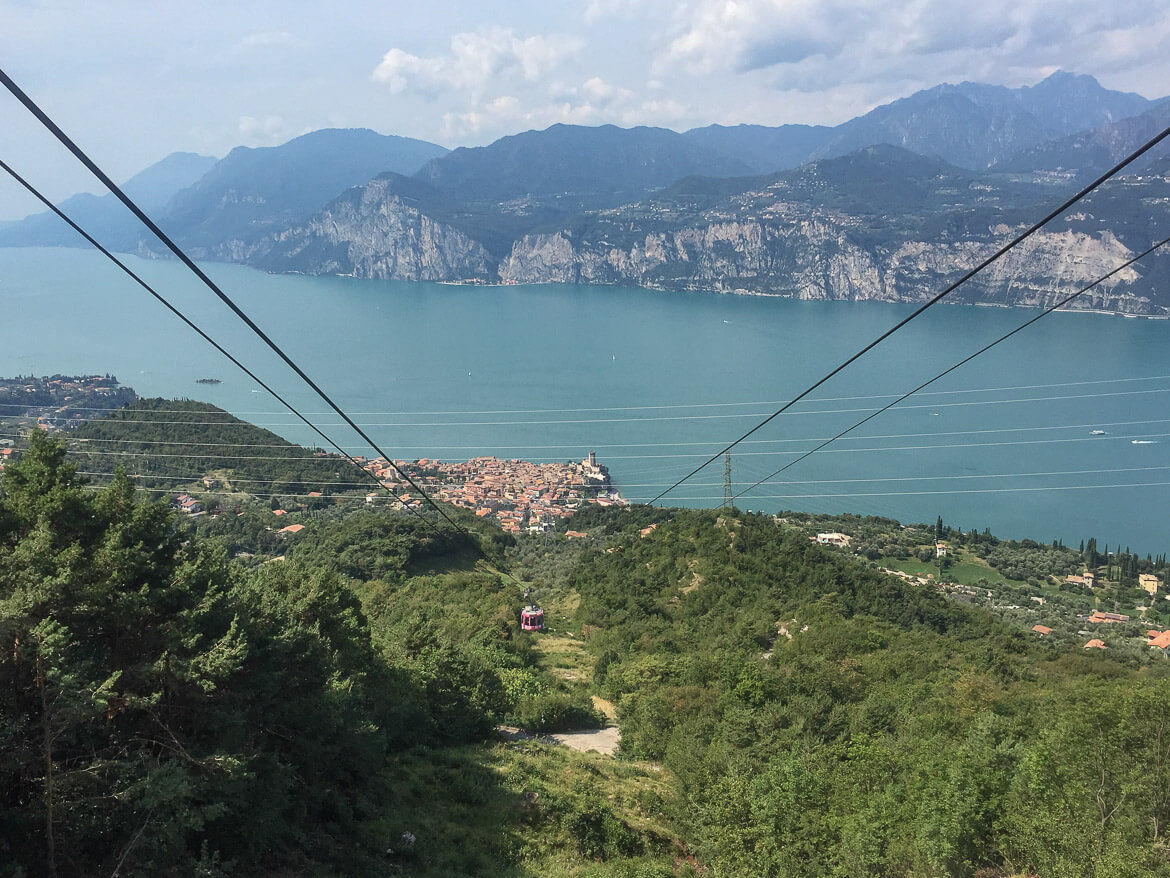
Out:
{"x": 1096, "y": 432}
{"x": 208, "y": 381}
{"x": 1142, "y": 442}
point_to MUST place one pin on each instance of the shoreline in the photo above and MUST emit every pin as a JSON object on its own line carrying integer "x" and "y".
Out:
{"x": 764, "y": 295}
{"x": 706, "y": 290}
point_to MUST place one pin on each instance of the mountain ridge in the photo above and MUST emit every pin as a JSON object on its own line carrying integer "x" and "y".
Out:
{"x": 885, "y": 206}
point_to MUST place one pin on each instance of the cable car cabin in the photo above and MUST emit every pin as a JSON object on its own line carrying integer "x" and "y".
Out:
{"x": 532, "y": 619}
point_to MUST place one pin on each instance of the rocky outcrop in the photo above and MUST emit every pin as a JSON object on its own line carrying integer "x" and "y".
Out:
{"x": 823, "y": 258}
{"x": 374, "y": 233}
{"x": 880, "y": 226}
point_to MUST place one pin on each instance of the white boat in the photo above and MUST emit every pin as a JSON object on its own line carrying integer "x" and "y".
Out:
{"x": 1096, "y": 432}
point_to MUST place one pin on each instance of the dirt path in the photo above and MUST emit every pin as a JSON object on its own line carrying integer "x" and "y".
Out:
{"x": 604, "y": 741}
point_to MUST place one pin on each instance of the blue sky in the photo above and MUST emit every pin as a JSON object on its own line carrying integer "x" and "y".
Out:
{"x": 133, "y": 81}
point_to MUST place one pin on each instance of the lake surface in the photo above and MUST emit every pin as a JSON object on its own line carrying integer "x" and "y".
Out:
{"x": 655, "y": 383}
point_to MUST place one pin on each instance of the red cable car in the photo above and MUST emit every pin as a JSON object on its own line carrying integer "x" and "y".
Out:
{"x": 532, "y": 619}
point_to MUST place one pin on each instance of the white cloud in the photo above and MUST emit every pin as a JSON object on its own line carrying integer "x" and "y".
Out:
{"x": 269, "y": 131}
{"x": 743, "y": 34}
{"x": 657, "y": 112}
{"x": 496, "y": 82}
{"x": 600, "y": 92}
{"x": 823, "y": 44}
{"x": 594, "y": 102}
{"x": 464, "y": 74}
{"x": 476, "y": 62}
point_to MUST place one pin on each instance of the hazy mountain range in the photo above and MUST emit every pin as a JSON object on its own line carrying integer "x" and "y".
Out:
{"x": 890, "y": 205}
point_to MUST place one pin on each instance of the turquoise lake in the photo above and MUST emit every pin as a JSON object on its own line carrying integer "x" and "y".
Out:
{"x": 656, "y": 383}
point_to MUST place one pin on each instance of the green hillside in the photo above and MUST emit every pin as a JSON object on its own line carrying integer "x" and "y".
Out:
{"x": 169, "y": 444}
{"x": 213, "y": 696}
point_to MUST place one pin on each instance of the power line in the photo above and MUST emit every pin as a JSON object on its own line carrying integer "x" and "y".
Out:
{"x": 638, "y": 420}
{"x": 966, "y": 477}
{"x": 683, "y": 456}
{"x": 866, "y": 480}
{"x": 435, "y": 412}
{"x": 163, "y": 301}
{"x": 968, "y": 359}
{"x": 304, "y": 377}
{"x": 676, "y": 456}
{"x": 577, "y": 446}
{"x": 1148, "y": 145}
{"x": 81, "y": 156}
{"x": 329, "y": 498}
{"x": 847, "y": 496}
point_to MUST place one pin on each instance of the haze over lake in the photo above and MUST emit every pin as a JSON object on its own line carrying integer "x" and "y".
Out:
{"x": 656, "y": 383}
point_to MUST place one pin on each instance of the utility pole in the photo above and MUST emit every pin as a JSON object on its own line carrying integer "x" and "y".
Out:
{"x": 727, "y": 480}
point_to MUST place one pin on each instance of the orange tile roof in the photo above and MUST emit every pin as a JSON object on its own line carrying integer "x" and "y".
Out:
{"x": 1098, "y": 616}
{"x": 1095, "y": 644}
{"x": 1162, "y": 641}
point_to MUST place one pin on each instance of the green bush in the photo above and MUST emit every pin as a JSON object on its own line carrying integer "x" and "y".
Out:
{"x": 555, "y": 712}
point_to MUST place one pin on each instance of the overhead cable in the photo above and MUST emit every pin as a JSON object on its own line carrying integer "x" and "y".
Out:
{"x": 965, "y": 360}
{"x": 629, "y": 408}
{"x": 711, "y": 443}
{"x": 93, "y": 168}
{"x": 163, "y": 301}
{"x": 1035, "y": 227}
{"x": 640, "y": 420}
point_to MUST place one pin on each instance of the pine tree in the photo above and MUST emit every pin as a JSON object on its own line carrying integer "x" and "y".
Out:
{"x": 159, "y": 708}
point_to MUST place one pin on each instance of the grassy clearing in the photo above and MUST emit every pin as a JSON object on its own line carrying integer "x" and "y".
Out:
{"x": 561, "y": 646}
{"x": 969, "y": 569}
{"x": 965, "y": 569}
{"x": 565, "y": 657}
{"x": 527, "y": 809}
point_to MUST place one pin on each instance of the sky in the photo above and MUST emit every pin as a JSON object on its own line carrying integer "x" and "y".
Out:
{"x": 133, "y": 81}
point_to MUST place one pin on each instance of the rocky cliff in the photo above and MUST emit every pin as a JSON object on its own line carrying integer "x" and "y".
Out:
{"x": 373, "y": 232}
{"x": 817, "y": 258}
{"x": 879, "y": 225}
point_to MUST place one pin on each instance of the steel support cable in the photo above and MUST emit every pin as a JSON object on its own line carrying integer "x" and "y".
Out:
{"x": 458, "y": 486}
{"x": 149, "y": 455}
{"x": 116, "y": 190}
{"x": 716, "y": 496}
{"x": 695, "y": 418}
{"x": 697, "y": 405}
{"x": 963, "y": 362}
{"x": 847, "y": 495}
{"x": 1117, "y": 168}
{"x": 657, "y": 445}
{"x": 81, "y": 156}
{"x": 36, "y": 193}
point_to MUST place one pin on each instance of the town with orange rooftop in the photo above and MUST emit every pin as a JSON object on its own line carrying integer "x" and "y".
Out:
{"x": 520, "y": 495}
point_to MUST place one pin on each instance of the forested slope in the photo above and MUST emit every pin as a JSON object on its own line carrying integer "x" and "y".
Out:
{"x": 786, "y": 709}
{"x": 824, "y": 719}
